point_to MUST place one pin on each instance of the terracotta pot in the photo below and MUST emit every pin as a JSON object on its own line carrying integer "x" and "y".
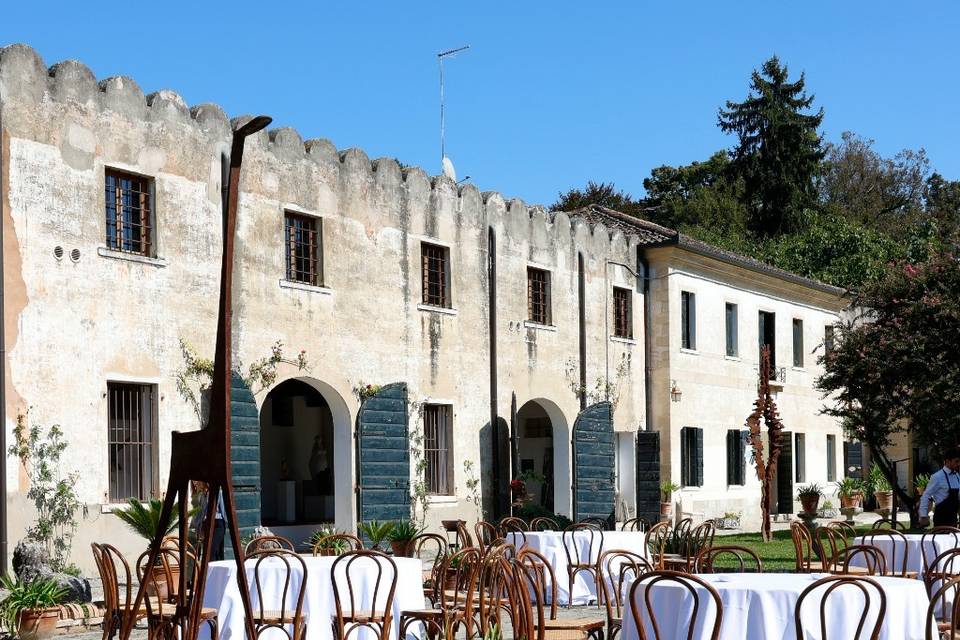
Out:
{"x": 401, "y": 548}
{"x": 666, "y": 509}
{"x": 853, "y": 501}
{"x": 809, "y": 503}
{"x": 884, "y": 499}
{"x": 450, "y": 580}
{"x": 326, "y": 552}
{"x": 37, "y": 624}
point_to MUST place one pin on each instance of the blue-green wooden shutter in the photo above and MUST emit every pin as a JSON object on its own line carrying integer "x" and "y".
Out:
{"x": 698, "y": 456}
{"x": 648, "y": 476}
{"x": 245, "y": 457}
{"x": 785, "y": 474}
{"x": 594, "y": 466}
{"x": 383, "y": 455}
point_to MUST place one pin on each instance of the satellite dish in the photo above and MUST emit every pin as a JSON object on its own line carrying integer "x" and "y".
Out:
{"x": 448, "y": 169}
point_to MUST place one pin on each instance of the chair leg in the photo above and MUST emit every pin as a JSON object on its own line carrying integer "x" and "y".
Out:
{"x": 214, "y": 628}
{"x": 571, "y": 573}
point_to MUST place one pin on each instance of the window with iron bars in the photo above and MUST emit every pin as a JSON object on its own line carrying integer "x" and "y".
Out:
{"x": 435, "y": 261}
{"x": 131, "y": 441}
{"x": 437, "y": 441}
{"x": 129, "y": 212}
{"x": 304, "y": 248}
{"x": 538, "y": 295}
{"x": 622, "y": 313}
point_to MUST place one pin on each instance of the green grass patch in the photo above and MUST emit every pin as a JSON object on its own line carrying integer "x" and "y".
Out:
{"x": 777, "y": 555}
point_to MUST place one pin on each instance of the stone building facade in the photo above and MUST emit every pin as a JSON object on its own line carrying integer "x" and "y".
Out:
{"x": 469, "y": 302}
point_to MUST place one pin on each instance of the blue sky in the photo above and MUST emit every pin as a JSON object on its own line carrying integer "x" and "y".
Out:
{"x": 549, "y": 96}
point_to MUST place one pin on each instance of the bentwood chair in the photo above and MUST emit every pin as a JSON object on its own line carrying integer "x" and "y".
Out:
{"x": 493, "y": 598}
{"x": 515, "y": 526}
{"x": 833, "y": 547}
{"x": 742, "y": 559}
{"x": 117, "y": 588}
{"x": 934, "y": 539}
{"x": 617, "y": 566}
{"x": 164, "y": 619}
{"x": 635, "y": 524}
{"x": 464, "y": 539}
{"x": 887, "y": 523}
{"x": 277, "y": 612}
{"x": 873, "y": 562}
{"x": 803, "y": 548}
{"x": 486, "y": 533}
{"x": 456, "y": 600}
{"x": 535, "y": 583}
{"x": 848, "y": 530}
{"x": 700, "y": 538}
{"x": 264, "y": 543}
{"x": 363, "y": 601}
{"x": 944, "y": 610}
{"x": 872, "y": 603}
{"x": 684, "y": 527}
{"x": 599, "y": 523}
{"x": 431, "y": 549}
{"x": 655, "y": 541}
{"x": 582, "y": 544}
{"x": 895, "y": 548}
{"x": 337, "y": 544}
{"x": 642, "y": 610}
{"x": 544, "y": 523}
{"x": 941, "y": 569}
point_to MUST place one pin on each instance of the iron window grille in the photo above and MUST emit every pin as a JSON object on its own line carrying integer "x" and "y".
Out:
{"x": 435, "y": 264}
{"x": 128, "y": 202}
{"x": 622, "y": 313}
{"x": 304, "y": 248}
{"x": 437, "y": 437}
{"x": 131, "y": 441}
{"x": 538, "y": 295}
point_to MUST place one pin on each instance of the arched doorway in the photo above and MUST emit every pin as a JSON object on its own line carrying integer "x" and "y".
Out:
{"x": 305, "y": 462}
{"x": 543, "y": 454}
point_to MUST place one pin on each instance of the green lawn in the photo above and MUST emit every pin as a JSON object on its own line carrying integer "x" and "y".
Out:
{"x": 777, "y": 555}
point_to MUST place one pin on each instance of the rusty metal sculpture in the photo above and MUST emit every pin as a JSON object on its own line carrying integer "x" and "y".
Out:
{"x": 204, "y": 455}
{"x": 766, "y": 408}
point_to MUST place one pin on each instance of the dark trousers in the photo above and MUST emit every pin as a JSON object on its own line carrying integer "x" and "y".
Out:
{"x": 219, "y": 529}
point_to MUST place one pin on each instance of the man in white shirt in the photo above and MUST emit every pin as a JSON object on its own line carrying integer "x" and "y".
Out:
{"x": 944, "y": 490}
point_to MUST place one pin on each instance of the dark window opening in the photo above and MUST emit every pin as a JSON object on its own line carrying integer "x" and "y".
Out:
{"x": 768, "y": 335}
{"x": 304, "y": 248}
{"x": 797, "y": 342}
{"x": 129, "y": 212}
{"x": 437, "y": 440}
{"x": 732, "y": 330}
{"x": 688, "y": 320}
{"x": 538, "y": 295}
{"x": 131, "y": 437}
{"x": 831, "y": 458}
{"x": 622, "y": 313}
{"x": 800, "y": 455}
{"x": 736, "y": 460}
{"x": 436, "y": 291}
{"x": 691, "y": 457}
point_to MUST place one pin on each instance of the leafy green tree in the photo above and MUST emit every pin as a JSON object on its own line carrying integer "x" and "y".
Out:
{"x": 943, "y": 204}
{"x": 604, "y": 194}
{"x": 704, "y": 194}
{"x": 897, "y": 368}
{"x": 779, "y": 151}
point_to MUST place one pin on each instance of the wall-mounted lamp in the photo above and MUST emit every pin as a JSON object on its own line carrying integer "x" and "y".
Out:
{"x": 675, "y": 393}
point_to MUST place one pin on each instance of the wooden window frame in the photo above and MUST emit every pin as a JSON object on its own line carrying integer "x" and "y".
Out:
{"x": 539, "y": 296}
{"x": 736, "y": 457}
{"x": 797, "y": 328}
{"x": 622, "y": 313}
{"x": 438, "y": 449}
{"x": 688, "y": 320}
{"x": 435, "y": 275}
{"x": 118, "y": 225}
{"x": 137, "y": 446}
{"x": 691, "y": 464}
{"x": 731, "y": 316}
{"x": 299, "y": 252}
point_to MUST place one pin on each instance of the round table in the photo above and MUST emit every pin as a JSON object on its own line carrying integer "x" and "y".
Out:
{"x": 760, "y": 606}
{"x": 550, "y": 544}
{"x": 319, "y": 608}
{"x": 935, "y": 545}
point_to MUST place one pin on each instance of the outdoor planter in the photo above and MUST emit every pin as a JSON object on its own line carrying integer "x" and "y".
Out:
{"x": 853, "y": 501}
{"x": 666, "y": 509}
{"x": 884, "y": 500}
{"x": 810, "y": 503}
{"x": 401, "y": 548}
{"x": 37, "y": 624}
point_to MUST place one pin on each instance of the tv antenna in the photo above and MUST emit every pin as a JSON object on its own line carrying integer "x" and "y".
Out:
{"x": 445, "y": 163}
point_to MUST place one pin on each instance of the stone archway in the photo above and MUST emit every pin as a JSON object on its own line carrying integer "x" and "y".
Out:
{"x": 543, "y": 447}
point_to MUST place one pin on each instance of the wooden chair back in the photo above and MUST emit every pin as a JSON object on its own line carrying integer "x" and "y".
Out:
{"x": 896, "y": 549}
{"x": 117, "y": 584}
{"x": 162, "y": 594}
{"x": 511, "y": 524}
{"x": 617, "y": 566}
{"x": 701, "y": 538}
{"x": 493, "y": 598}
{"x": 582, "y": 543}
{"x": 337, "y": 544}
{"x": 265, "y": 543}
{"x": 431, "y": 549}
{"x": 930, "y": 543}
{"x": 943, "y": 612}
{"x": 461, "y": 573}
{"x": 544, "y": 579}
{"x": 599, "y": 523}
{"x": 832, "y": 543}
{"x": 848, "y": 530}
{"x": 464, "y": 539}
{"x": 486, "y": 534}
{"x": 360, "y": 604}
{"x": 746, "y": 559}
{"x": 872, "y": 596}
{"x": 684, "y": 526}
{"x": 544, "y": 524}
{"x": 802, "y": 547}
{"x": 655, "y": 540}
{"x": 279, "y": 613}
{"x": 641, "y": 606}
{"x": 173, "y": 542}
{"x": 941, "y": 569}
{"x": 887, "y": 523}
{"x": 635, "y": 524}
{"x": 873, "y": 560}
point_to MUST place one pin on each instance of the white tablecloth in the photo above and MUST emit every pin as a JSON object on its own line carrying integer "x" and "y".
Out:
{"x": 223, "y": 594}
{"x": 761, "y": 607}
{"x": 935, "y": 546}
{"x": 550, "y": 544}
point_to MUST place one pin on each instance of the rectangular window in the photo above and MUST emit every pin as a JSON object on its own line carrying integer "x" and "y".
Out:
{"x": 800, "y": 457}
{"x": 736, "y": 462}
{"x": 733, "y": 330}
{"x": 437, "y": 440}
{"x": 538, "y": 295}
{"x": 691, "y": 457}
{"x": 129, "y": 212}
{"x": 131, "y": 439}
{"x": 622, "y": 312}
{"x": 435, "y": 266}
{"x": 797, "y": 342}
{"x": 304, "y": 248}
{"x": 767, "y": 333}
{"x": 831, "y": 458}
{"x": 828, "y": 339}
{"x": 688, "y": 320}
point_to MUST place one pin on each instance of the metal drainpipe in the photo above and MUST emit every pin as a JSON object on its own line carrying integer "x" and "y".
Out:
{"x": 494, "y": 414}
{"x": 644, "y": 269}
{"x": 3, "y": 379}
{"x": 581, "y": 289}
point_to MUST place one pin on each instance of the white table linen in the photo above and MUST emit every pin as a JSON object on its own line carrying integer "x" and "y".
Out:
{"x": 319, "y": 607}
{"x": 935, "y": 546}
{"x": 550, "y": 544}
{"x": 760, "y": 606}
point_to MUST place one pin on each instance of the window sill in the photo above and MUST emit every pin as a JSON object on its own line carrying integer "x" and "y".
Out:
{"x": 621, "y": 340}
{"x": 303, "y": 286}
{"x": 442, "y": 499}
{"x": 104, "y": 252}
{"x": 692, "y": 352}
{"x": 733, "y": 358}
{"x": 530, "y": 324}
{"x": 429, "y": 308}
{"x": 110, "y": 506}
{"x": 799, "y": 369}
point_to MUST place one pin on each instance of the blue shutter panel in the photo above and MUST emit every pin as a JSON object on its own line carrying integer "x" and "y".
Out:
{"x": 594, "y": 491}
{"x": 698, "y": 456}
{"x": 383, "y": 455}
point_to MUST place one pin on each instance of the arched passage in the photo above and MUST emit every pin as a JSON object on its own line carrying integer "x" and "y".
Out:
{"x": 543, "y": 454}
{"x": 306, "y": 466}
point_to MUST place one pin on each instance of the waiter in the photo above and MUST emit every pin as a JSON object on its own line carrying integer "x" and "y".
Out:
{"x": 944, "y": 490}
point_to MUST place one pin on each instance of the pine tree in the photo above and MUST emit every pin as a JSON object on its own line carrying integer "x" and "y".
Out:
{"x": 780, "y": 151}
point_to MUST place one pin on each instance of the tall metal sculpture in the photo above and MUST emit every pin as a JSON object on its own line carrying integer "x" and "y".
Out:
{"x": 765, "y": 408}
{"x": 204, "y": 455}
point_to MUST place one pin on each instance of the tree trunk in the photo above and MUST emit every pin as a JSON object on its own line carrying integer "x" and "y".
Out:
{"x": 765, "y": 532}
{"x": 909, "y": 503}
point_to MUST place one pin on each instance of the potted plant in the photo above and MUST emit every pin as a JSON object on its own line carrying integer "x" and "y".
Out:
{"x": 666, "y": 491}
{"x": 143, "y": 518}
{"x": 809, "y": 496}
{"x": 325, "y": 547}
{"x": 30, "y": 609}
{"x": 881, "y": 488}
{"x": 376, "y": 532}
{"x": 850, "y": 492}
{"x": 401, "y": 535}
{"x": 920, "y": 482}
{"x": 731, "y": 520}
